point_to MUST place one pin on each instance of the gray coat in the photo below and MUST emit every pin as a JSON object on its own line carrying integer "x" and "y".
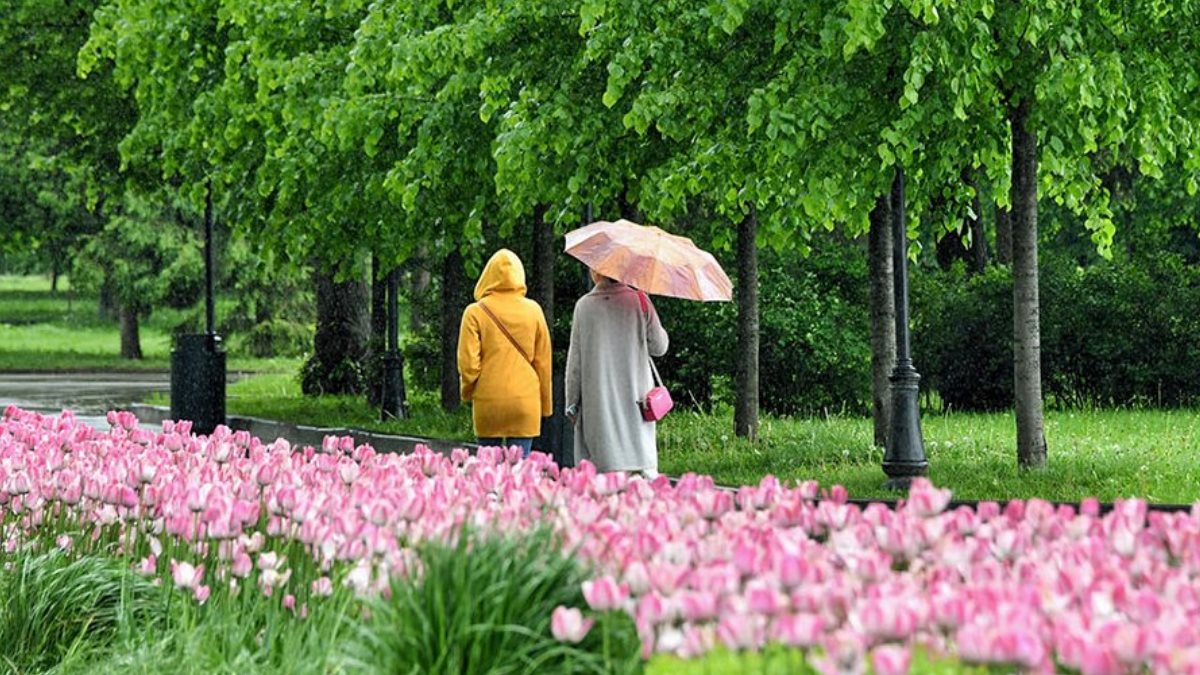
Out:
{"x": 608, "y": 372}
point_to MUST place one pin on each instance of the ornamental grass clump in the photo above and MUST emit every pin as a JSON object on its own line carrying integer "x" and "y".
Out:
{"x": 485, "y": 605}
{"x": 53, "y": 606}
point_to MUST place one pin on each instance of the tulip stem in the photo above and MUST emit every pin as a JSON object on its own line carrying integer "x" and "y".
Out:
{"x": 605, "y": 633}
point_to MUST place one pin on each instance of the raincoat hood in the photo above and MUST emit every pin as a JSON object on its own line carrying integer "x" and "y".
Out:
{"x": 504, "y": 272}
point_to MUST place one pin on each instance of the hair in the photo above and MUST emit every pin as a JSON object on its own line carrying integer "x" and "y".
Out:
{"x": 600, "y": 277}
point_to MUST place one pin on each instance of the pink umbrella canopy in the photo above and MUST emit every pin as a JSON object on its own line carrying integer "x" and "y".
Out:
{"x": 651, "y": 260}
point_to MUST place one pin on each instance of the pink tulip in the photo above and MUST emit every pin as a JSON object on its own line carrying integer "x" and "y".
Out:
{"x": 322, "y": 587}
{"x": 1100, "y": 660}
{"x": 1133, "y": 644}
{"x": 185, "y": 575}
{"x": 890, "y": 660}
{"x": 697, "y": 641}
{"x": 698, "y": 606}
{"x": 797, "y": 630}
{"x": 739, "y": 632}
{"x": 19, "y": 484}
{"x": 611, "y": 483}
{"x": 348, "y": 471}
{"x": 713, "y": 504}
{"x": 792, "y": 570}
{"x": 637, "y": 577}
{"x": 242, "y": 565}
{"x": 925, "y": 500}
{"x": 651, "y": 609}
{"x": 202, "y": 593}
{"x": 765, "y": 599}
{"x": 605, "y": 593}
{"x": 269, "y": 561}
{"x": 569, "y": 625}
{"x": 666, "y": 577}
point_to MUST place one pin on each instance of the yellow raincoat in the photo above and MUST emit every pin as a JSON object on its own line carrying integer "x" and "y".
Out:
{"x": 510, "y": 394}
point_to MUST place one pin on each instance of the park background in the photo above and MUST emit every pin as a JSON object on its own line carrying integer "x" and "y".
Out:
{"x": 1050, "y": 154}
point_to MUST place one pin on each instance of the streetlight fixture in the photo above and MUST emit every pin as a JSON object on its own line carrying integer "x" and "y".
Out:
{"x": 905, "y": 455}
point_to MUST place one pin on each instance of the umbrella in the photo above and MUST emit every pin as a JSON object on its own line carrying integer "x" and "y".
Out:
{"x": 649, "y": 259}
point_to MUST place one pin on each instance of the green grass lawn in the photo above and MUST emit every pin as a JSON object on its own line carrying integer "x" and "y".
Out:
{"x": 42, "y": 331}
{"x": 1106, "y": 454}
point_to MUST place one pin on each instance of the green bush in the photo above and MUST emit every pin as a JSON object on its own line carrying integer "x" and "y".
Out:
{"x": 423, "y": 358}
{"x": 1121, "y": 332}
{"x": 814, "y": 344}
{"x": 962, "y": 337}
{"x": 278, "y": 337}
{"x": 484, "y": 606}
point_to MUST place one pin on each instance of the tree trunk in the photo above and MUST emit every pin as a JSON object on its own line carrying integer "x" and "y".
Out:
{"x": 377, "y": 344}
{"x": 131, "y": 343}
{"x": 340, "y": 343}
{"x": 542, "y": 286}
{"x": 883, "y": 317}
{"x": 54, "y": 274}
{"x": 453, "y": 284}
{"x": 1004, "y": 236}
{"x": 745, "y": 414}
{"x": 1031, "y": 439}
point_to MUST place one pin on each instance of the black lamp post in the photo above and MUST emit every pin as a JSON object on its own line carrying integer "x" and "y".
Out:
{"x": 198, "y": 360}
{"x": 394, "y": 405}
{"x": 905, "y": 455}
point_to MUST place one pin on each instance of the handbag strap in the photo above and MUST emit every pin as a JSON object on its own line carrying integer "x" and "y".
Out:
{"x": 645, "y": 302}
{"x": 504, "y": 329}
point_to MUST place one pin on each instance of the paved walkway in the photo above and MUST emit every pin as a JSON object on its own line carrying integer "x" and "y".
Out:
{"x": 89, "y": 395}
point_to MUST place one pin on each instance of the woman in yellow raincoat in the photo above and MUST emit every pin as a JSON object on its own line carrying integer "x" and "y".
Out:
{"x": 504, "y": 357}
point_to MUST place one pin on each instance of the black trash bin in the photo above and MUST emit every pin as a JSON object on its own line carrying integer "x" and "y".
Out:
{"x": 198, "y": 381}
{"x": 558, "y": 436}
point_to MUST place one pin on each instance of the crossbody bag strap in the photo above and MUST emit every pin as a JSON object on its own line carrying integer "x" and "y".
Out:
{"x": 504, "y": 329}
{"x": 645, "y": 302}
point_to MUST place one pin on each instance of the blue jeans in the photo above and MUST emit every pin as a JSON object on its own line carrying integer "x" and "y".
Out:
{"x": 526, "y": 444}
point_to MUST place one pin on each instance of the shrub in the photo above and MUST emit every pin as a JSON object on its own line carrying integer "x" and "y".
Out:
{"x": 278, "y": 337}
{"x": 962, "y": 337}
{"x": 814, "y": 345}
{"x": 1120, "y": 332}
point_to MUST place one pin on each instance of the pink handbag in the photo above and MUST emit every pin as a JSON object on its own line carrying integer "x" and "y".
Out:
{"x": 657, "y": 402}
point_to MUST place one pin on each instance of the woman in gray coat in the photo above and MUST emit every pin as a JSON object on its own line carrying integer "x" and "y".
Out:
{"x": 608, "y": 373}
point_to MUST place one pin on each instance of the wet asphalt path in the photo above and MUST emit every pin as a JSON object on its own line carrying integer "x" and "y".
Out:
{"x": 89, "y": 395}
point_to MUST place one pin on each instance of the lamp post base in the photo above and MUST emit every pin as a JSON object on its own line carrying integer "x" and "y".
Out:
{"x": 905, "y": 456}
{"x": 393, "y": 405}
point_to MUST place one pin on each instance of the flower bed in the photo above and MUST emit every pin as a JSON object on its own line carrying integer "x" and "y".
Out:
{"x": 696, "y": 567}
